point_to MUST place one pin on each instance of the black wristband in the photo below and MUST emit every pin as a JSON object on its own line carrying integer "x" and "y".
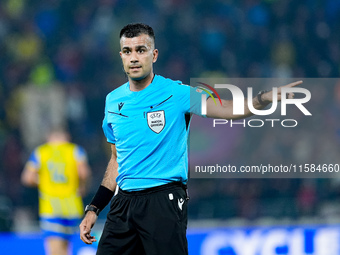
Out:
{"x": 102, "y": 197}
{"x": 259, "y": 97}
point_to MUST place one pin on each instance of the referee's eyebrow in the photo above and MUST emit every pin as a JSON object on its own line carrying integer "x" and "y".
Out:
{"x": 138, "y": 47}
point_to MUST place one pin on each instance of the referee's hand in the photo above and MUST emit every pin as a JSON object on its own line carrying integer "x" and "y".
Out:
{"x": 86, "y": 226}
{"x": 268, "y": 97}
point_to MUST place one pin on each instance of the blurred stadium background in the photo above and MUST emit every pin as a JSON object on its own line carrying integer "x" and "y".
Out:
{"x": 59, "y": 59}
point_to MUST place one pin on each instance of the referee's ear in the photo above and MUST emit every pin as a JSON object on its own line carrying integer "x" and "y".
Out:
{"x": 155, "y": 55}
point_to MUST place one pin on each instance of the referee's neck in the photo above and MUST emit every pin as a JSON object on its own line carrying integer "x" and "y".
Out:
{"x": 138, "y": 85}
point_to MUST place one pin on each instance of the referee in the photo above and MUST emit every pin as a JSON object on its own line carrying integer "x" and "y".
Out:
{"x": 146, "y": 122}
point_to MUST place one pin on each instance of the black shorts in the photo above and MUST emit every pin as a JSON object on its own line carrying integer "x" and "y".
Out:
{"x": 147, "y": 222}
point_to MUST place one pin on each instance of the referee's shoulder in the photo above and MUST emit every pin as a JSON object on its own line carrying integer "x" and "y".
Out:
{"x": 176, "y": 86}
{"x": 117, "y": 92}
{"x": 169, "y": 80}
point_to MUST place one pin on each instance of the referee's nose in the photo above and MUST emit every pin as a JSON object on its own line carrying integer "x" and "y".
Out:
{"x": 133, "y": 57}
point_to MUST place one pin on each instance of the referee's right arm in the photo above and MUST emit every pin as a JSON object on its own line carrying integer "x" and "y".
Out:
{"x": 101, "y": 199}
{"x": 109, "y": 180}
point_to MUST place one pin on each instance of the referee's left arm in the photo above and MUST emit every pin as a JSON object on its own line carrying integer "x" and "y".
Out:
{"x": 225, "y": 111}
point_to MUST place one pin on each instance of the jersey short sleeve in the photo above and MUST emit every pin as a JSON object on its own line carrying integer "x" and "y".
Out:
{"x": 34, "y": 159}
{"x": 190, "y": 98}
{"x": 108, "y": 129}
{"x": 80, "y": 153}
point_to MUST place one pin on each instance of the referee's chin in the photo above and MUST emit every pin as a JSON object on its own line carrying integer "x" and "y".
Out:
{"x": 140, "y": 78}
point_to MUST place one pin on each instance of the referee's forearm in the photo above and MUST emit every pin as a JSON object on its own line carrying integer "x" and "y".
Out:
{"x": 107, "y": 188}
{"x": 256, "y": 104}
{"x": 111, "y": 173}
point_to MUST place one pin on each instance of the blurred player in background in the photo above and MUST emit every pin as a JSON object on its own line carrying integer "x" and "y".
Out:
{"x": 147, "y": 124}
{"x": 60, "y": 171}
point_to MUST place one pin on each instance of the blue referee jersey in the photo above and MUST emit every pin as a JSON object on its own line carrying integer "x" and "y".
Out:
{"x": 150, "y": 130}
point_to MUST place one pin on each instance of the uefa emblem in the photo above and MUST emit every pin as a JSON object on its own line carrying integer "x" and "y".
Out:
{"x": 156, "y": 121}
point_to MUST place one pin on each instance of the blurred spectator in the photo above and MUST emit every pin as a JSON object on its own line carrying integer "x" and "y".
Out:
{"x": 42, "y": 105}
{"x": 306, "y": 198}
{"x": 25, "y": 46}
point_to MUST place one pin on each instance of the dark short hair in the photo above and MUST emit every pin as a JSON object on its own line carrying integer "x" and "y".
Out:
{"x": 136, "y": 29}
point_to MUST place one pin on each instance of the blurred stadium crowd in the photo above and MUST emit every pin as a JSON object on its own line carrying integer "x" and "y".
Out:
{"x": 60, "y": 58}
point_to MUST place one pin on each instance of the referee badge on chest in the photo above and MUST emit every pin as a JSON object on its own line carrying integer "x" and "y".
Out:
{"x": 156, "y": 121}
